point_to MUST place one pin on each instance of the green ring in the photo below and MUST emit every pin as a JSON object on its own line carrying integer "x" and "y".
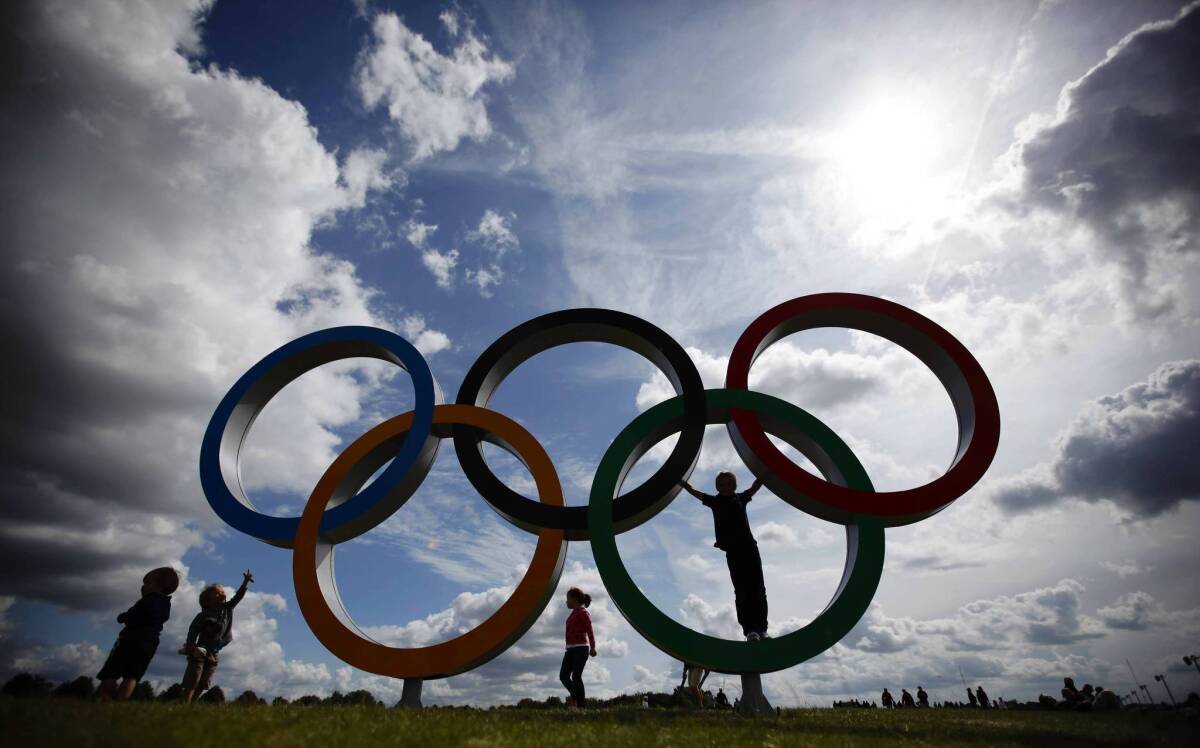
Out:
{"x": 837, "y": 463}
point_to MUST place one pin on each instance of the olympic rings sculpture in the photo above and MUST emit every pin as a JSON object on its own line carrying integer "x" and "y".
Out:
{"x": 343, "y": 506}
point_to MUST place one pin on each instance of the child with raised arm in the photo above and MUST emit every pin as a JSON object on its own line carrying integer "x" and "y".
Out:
{"x": 732, "y": 529}
{"x": 211, "y": 630}
{"x": 138, "y": 640}
{"x": 580, "y": 642}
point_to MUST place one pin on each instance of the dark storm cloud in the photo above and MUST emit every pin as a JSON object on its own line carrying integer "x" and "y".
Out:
{"x": 1123, "y": 153}
{"x": 154, "y": 218}
{"x": 1136, "y": 448}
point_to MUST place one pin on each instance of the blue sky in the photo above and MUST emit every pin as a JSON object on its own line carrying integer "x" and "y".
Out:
{"x": 195, "y": 184}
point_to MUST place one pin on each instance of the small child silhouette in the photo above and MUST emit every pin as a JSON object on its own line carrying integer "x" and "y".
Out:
{"x": 138, "y": 641}
{"x": 211, "y": 630}
{"x": 741, "y": 550}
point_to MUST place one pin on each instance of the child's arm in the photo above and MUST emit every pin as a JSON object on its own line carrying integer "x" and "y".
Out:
{"x": 699, "y": 495}
{"x": 591, "y": 637}
{"x": 194, "y": 631}
{"x": 137, "y": 614}
{"x": 749, "y": 492}
{"x": 130, "y": 614}
{"x": 247, "y": 578}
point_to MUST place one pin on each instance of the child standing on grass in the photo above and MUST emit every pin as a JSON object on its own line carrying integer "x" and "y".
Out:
{"x": 138, "y": 641}
{"x": 580, "y": 643}
{"x": 211, "y": 630}
{"x": 732, "y": 529}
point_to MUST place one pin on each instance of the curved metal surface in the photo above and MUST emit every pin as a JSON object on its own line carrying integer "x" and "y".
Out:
{"x": 971, "y": 393}
{"x": 313, "y": 569}
{"x": 350, "y": 515}
{"x": 571, "y": 326}
{"x": 864, "y": 539}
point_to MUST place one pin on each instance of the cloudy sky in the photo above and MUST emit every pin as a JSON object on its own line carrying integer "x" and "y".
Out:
{"x": 188, "y": 185}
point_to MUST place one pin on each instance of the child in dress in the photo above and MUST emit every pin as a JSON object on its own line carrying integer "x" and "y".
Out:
{"x": 580, "y": 643}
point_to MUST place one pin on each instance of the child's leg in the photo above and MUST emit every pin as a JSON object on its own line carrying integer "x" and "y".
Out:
{"x": 737, "y": 575}
{"x": 107, "y": 689}
{"x": 126, "y": 689}
{"x": 564, "y": 673}
{"x": 694, "y": 676}
{"x": 749, "y": 591}
{"x": 756, "y": 591}
{"x": 581, "y": 658}
{"x": 192, "y": 675}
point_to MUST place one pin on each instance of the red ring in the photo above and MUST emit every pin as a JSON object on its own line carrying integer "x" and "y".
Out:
{"x": 970, "y": 392}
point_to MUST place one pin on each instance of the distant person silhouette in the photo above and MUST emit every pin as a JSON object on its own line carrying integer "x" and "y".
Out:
{"x": 922, "y": 697}
{"x": 906, "y": 699}
{"x": 980, "y": 694}
{"x": 741, "y": 551}
{"x": 971, "y": 697}
{"x": 886, "y": 699}
{"x": 722, "y": 699}
{"x": 1105, "y": 700}
{"x": 1070, "y": 694}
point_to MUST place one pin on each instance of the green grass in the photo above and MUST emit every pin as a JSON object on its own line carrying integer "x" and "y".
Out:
{"x": 61, "y": 722}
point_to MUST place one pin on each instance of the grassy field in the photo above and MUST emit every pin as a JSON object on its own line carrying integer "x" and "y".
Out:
{"x": 62, "y": 722}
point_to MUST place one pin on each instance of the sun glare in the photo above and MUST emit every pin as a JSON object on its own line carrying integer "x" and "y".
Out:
{"x": 887, "y": 165}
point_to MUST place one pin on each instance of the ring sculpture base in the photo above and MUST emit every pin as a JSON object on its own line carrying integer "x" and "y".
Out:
{"x": 411, "y": 695}
{"x": 753, "y": 703}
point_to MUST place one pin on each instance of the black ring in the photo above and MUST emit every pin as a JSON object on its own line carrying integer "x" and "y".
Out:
{"x": 574, "y": 326}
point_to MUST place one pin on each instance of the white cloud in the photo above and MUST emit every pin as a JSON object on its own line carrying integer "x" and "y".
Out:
{"x": 495, "y": 232}
{"x": 774, "y": 533}
{"x": 441, "y": 264}
{"x": 161, "y": 228}
{"x": 1139, "y": 610}
{"x": 450, "y": 20}
{"x": 1126, "y": 569}
{"x": 418, "y": 233}
{"x": 364, "y": 171}
{"x": 485, "y": 279}
{"x": 435, "y": 100}
{"x": 424, "y": 339}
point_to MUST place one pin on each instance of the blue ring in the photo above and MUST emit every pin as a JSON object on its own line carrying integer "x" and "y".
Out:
{"x": 264, "y": 380}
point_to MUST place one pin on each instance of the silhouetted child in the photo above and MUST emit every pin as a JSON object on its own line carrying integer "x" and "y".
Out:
{"x": 887, "y": 699}
{"x": 138, "y": 641}
{"x": 906, "y": 699}
{"x": 732, "y": 529}
{"x": 580, "y": 642}
{"x": 211, "y": 630}
{"x": 922, "y": 697}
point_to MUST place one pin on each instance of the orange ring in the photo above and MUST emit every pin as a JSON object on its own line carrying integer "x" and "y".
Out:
{"x": 312, "y": 556}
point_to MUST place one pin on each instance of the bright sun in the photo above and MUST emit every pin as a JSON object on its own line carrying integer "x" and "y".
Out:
{"x": 886, "y": 163}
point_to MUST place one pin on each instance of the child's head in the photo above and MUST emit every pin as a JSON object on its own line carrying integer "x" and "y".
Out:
{"x": 726, "y": 482}
{"x": 212, "y": 596}
{"x": 577, "y": 597}
{"x": 164, "y": 579}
